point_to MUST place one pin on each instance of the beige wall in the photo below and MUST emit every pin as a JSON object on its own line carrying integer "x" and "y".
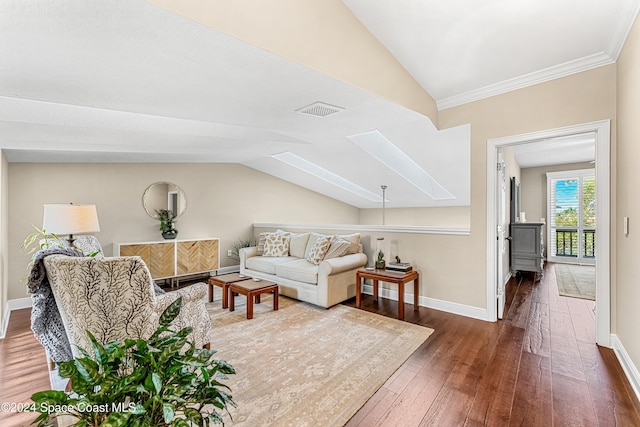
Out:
{"x": 585, "y": 97}
{"x": 320, "y": 34}
{"x": 224, "y": 200}
{"x": 446, "y": 217}
{"x": 627, "y": 295}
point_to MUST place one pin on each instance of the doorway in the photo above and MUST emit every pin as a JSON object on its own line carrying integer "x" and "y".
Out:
{"x": 602, "y": 136}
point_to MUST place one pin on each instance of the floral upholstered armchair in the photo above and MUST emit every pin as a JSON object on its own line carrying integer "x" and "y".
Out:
{"x": 113, "y": 298}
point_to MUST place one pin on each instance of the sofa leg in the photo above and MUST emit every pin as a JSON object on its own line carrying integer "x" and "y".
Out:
{"x": 207, "y": 346}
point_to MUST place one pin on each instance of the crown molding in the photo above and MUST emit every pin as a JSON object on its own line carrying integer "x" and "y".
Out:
{"x": 547, "y": 74}
{"x": 626, "y": 13}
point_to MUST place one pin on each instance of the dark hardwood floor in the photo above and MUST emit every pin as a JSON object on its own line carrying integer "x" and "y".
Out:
{"x": 23, "y": 368}
{"x": 537, "y": 367}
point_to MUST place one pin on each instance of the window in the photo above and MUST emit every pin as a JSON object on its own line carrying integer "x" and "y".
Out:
{"x": 571, "y": 201}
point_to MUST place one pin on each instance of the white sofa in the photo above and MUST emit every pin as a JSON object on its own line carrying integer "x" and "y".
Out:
{"x": 325, "y": 284}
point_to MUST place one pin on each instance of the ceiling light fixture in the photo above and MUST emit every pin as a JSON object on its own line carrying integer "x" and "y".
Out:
{"x": 328, "y": 176}
{"x": 377, "y": 145}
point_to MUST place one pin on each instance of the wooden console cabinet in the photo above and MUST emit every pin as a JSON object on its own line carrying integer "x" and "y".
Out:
{"x": 527, "y": 248}
{"x": 174, "y": 258}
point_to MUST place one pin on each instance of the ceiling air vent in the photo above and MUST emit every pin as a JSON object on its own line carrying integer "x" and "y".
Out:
{"x": 319, "y": 109}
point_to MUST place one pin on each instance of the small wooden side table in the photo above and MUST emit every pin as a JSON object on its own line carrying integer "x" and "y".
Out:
{"x": 397, "y": 277}
{"x": 252, "y": 290}
{"x": 224, "y": 281}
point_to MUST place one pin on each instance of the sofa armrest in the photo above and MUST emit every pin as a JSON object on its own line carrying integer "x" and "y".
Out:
{"x": 246, "y": 253}
{"x": 343, "y": 263}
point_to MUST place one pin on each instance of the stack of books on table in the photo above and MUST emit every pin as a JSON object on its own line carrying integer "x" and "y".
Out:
{"x": 402, "y": 267}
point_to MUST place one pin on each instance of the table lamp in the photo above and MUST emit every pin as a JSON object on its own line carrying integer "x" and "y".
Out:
{"x": 70, "y": 219}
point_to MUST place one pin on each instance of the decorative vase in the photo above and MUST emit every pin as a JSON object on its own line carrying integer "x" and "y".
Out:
{"x": 380, "y": 264}
{"x": 170, "y": 234}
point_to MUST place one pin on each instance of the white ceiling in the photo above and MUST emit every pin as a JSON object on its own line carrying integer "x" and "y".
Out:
{"x": 557, "y": 151}
{"x": 465, "y": 50}
{"x": 125, "y": 81}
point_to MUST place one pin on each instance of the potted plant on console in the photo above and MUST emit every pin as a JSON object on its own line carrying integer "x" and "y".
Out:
{"x": 380, "y": 263}
{"x": 166, "y": 218}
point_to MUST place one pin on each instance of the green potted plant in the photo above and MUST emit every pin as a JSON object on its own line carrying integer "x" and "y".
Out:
{"x": 166, "y": 218}
{"x": 380, "y": 263}
{"x": 241, "y": 243}
{"x": 161, "y": 381}
{"x": 44, "y": 241}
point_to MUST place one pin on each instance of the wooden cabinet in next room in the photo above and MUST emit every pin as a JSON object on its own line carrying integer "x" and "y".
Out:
{"x": 527, "y": 247}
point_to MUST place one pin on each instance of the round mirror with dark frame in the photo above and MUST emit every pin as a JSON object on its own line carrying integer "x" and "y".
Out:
{"x": 164, "y": 196}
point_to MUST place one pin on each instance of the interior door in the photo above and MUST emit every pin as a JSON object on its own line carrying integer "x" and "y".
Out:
{"x": 501, "y": 231}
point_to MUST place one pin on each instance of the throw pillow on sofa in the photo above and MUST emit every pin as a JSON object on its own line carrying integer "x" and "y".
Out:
{"x": 312, "y": 241}
{"x": 319, "y": 250}
{"x": 298, "y": 244}
{"x": 262, "y": 237}
{"x": 354, "y": 239}
{"x": 339, "y": 247}
{"x": 276, "y": 245}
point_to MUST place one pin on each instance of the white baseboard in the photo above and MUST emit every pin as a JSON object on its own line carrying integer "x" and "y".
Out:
{"x": 227, "y": 270}
{"x": 436, "y": 304}
{"x": 12, "y": 304}
{"x": 4, "y": 322}
{"x": 627, "y": 364}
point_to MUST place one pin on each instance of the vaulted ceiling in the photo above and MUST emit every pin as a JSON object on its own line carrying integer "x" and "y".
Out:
{"x": 128, "y": 81}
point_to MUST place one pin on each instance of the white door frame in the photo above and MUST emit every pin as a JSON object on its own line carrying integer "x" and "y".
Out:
{"x": 603, "y": 243}
{"x": 501, "y": 191}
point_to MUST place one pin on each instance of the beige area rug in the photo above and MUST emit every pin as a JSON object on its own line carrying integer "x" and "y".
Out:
{"x": 307, "y": 366}
{"x": 577, "y": 281}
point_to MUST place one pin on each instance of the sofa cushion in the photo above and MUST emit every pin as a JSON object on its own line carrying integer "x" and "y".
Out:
{"x": 319, "y": 250}
{"x": 339, "y": 247}
{"x": 276, "y": 244}
{"x": 300, "y": 270}
{"x": 298, "y": 244}
{"x": 266, "y": 264}
{"x": 354, "y": 239}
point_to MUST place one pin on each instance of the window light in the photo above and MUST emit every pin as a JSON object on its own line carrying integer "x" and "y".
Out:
{"x": 377, "y": 145}
{"x": 322, "y": 173}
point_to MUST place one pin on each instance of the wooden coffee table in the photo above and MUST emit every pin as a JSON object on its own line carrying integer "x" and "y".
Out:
{"x": 398, "y": 278}
{"x": 252, "y": 290}
{"x": 224, "y": 281}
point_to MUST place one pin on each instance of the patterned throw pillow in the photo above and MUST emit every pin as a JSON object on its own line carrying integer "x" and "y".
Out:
{"x": 276, "y": 244}
{"x": 339, "y": 247}
{"x": 354, "y": 239}
{"x": 318, "y": 250}
{"x": 261, "y": 239}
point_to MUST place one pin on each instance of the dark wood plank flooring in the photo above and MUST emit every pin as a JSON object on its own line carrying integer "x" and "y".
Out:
{"x": 537, "y": 367}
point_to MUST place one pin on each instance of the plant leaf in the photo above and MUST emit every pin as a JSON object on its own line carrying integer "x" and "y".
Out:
{"x": 167, "y": 412}
{"x": 171, "y": 312}
{"x": 116, "y": 419}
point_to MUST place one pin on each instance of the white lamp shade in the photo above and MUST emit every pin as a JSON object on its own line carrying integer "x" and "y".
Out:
{"x": 70, "y": 219}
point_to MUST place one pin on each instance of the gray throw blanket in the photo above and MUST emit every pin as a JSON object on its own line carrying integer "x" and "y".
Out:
{"x": 46, "y": 322}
